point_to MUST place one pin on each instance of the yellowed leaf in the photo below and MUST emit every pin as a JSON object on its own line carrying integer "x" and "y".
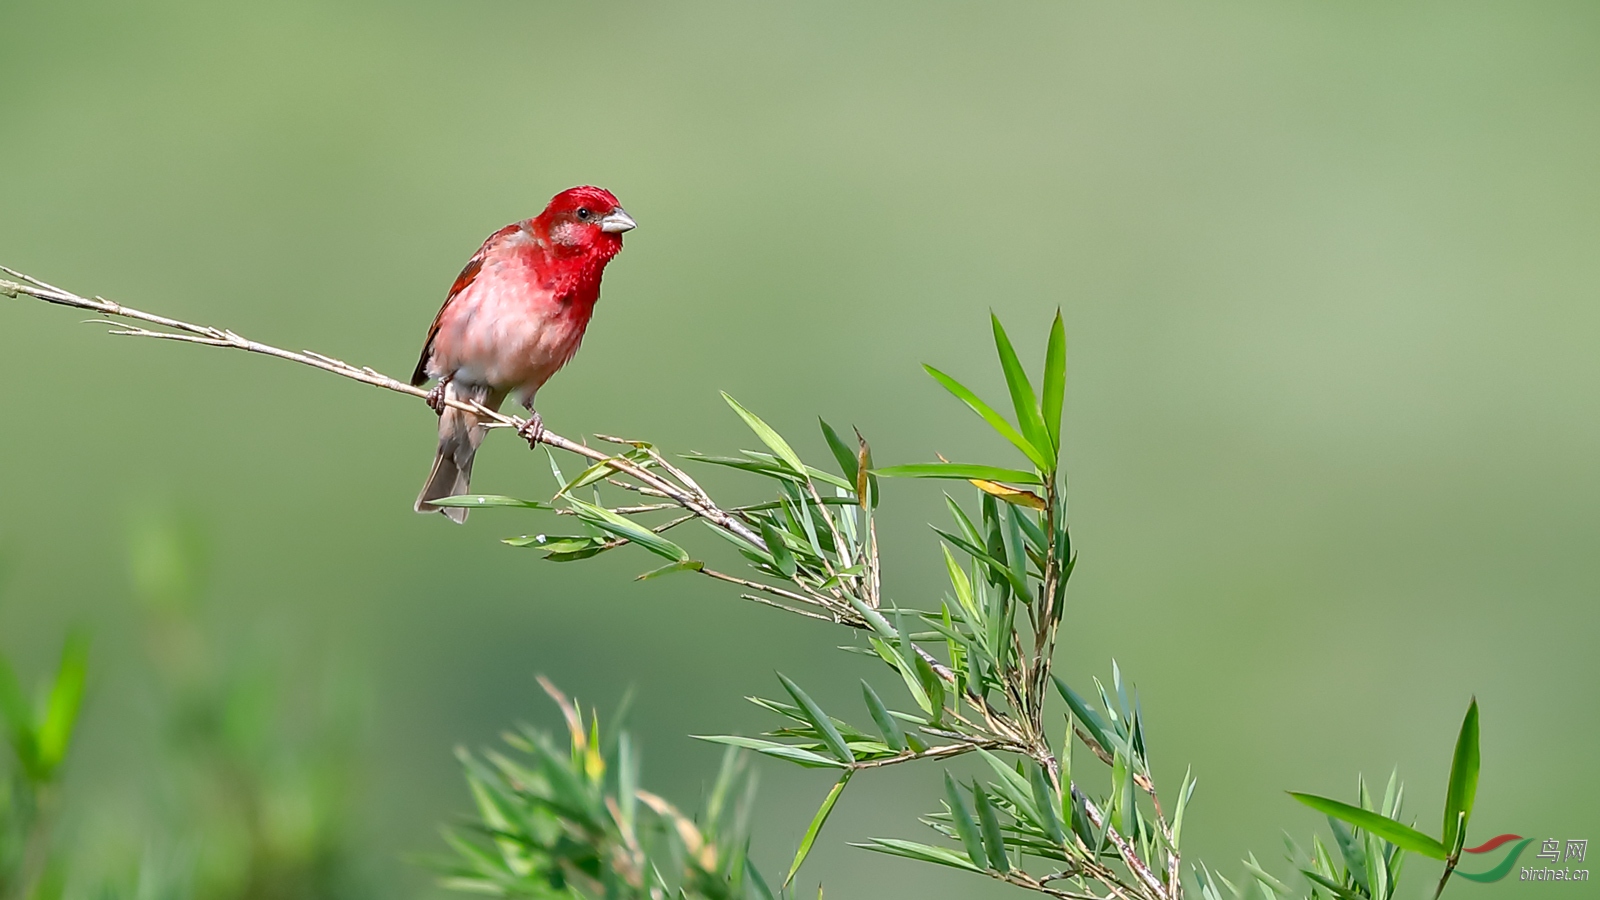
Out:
{"x": 1009, "y": 494}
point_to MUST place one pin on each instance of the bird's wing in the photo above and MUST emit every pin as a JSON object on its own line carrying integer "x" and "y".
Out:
{"x": 474, "y": 265}
{"x": 510, "y": 235}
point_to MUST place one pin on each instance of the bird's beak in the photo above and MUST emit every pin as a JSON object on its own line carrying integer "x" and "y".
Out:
{"x": 617, "y": 222}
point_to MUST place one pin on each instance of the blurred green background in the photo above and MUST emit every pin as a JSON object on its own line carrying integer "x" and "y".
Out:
{"x": 1328, "y": 272}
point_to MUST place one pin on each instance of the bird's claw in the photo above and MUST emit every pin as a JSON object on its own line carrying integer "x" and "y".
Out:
{"x": 532, "y": 430}
{"x": 435, "y": 398}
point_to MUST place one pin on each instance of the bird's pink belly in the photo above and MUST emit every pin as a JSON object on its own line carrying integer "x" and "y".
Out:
{"x": 512, "y": 346}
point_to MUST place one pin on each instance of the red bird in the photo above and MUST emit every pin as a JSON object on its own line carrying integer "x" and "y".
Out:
{"x": 513, "y": 318}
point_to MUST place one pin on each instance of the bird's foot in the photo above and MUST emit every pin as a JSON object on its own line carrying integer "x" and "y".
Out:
{"x": 435, "y": 397}
{"x": 532, "y": 430}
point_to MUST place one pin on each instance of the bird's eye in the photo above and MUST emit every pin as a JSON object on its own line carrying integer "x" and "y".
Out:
{"x": 583, "y": 213}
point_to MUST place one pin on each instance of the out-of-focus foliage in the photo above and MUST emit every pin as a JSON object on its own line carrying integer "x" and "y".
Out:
{"x": 39, "y": 732}
{"x": 252, "y": 795}
{"x": 573, "y": 822}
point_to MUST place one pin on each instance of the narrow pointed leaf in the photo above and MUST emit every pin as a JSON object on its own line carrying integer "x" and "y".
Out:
{"x": 1355, "y": 858}
{"x": 782, "y": 556}
{"x": 624, "y": 527}
{"x": 1054, "y": 388}
{"x": 1265, "y": 877}
{"x": 489, "y": 501}
{"x": 920, "y": 852}
{"x": 1185, "y": 792}
{"x": 817, "y": 822}
{"x": 932, "y": 685}
{"x": 1090, "y": 719}
{"x": 1463, "y": 787}
{"x": 961, "y": 471}
{"x": 887, "y": 726}
{"x": 1339, "y": 890}
{"x": 768, "y": 436}
{"x": 908, "y": 673}
{"x": 1015, "y": 788}
{"x": 1044, "y": 800}
{"x": 994, "y": 841}
{"x": 842, "y": 454}
{"x": 995, "y": 420}
{"x": 819, "y": 720}
{"x": 685, "y": 565}
{"x": 774, "y": 749}
{"x": 1403, "y": 836}
{"x": 1022, "y": 398}
{"x": 962, "y": 819}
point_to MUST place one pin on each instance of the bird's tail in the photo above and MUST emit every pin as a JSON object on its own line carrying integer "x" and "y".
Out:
{"x": 460, "y": 433}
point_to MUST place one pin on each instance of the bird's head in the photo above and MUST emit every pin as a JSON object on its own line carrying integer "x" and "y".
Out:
{"x": 586, "y": 220}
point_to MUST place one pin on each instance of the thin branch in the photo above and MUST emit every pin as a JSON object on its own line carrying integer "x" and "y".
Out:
{"x": 943, "y": 751}
{"x": 695, "y": 502}
{"x": 757, "y": 598}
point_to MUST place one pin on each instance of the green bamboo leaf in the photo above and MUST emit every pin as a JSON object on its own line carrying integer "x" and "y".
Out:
{"x": 908, "y": 673}
{"x": 1016, "y": 554}
{"x": 1044, "y": 799}
{"x": 962, "y": 819}
{"x": 962, "y": 520}
{"x": 1338, "y": 890}
{"x": 773, "y": 749}
{"x": 1123, "y": 812}
{"x": 1054, "y": 388}
{"x": 932, "y": 685}
{"x": 599, "y": 471}
{"x": 994, "y": 841}
{"x": 782, "y": 556}
{"x": 768, "y": 436}
{"x": 489, "y": 501}
{"x": 1266, "y": 878}
{"x": 819, "y": 720}
{"x": 1184, "y": 793}
{"x": 1402, "y": 836}
{"x": 995, "y": 420}
{"x": 1377, "y": 866}
{"x": 1086, "y": 716}
{"x": 682, "y": 565}
{"x": 1355, "y": 857}
{"x": 817, "y": 821}
{"x": 770, "y": 466}
{"x": 842, "y": 454}
{"x": 626, "y": 528}
{"x": 920, "y": 852}
{"x": 887, "y": 726}
{"x": 961, "y": 471}
{"x": 999, "y": 571}
{"x": 1022, "y": 398}
{"x": 1463, "y": 786}
{"x": 1014, "y": 788}
{"x": 554, "y": 543}
{"x": 555, "y": 468}
{"x": 66, "y": 697}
